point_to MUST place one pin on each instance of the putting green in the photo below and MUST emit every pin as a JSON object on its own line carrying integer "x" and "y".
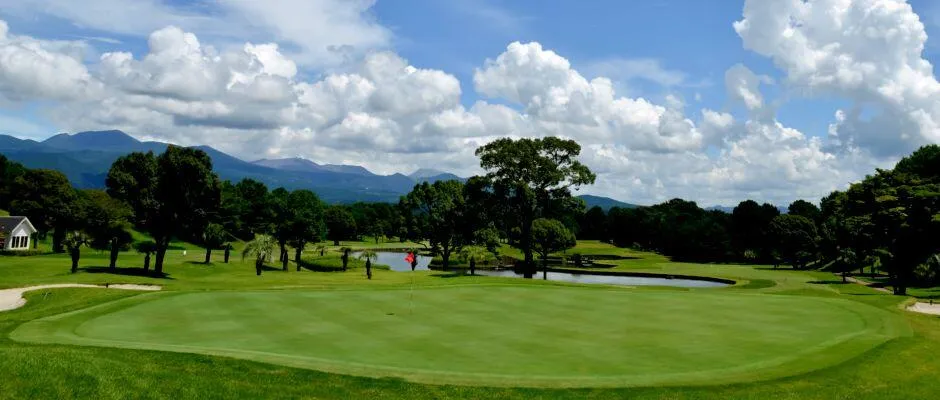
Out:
{"x": 494, "y": 335}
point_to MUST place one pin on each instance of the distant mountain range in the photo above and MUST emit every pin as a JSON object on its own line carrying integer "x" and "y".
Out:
{"x": 85, "y": 158}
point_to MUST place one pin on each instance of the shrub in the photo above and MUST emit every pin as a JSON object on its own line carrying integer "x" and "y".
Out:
{"x": 22, "y": 253}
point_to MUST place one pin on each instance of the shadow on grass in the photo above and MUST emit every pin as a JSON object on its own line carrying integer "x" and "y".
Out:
{"x": 450, "y": 275}
{"x": 757, "y": 284}
{"x": 269, "y": 268}
{"x": 832, "y": 282}
{"x": 126, "y": 271}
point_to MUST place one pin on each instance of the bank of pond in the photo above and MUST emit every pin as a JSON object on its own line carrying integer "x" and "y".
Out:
{"x": 396, "y": 262}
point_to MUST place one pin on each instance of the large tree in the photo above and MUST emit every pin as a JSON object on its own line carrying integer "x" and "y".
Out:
{"x": 806, "y": 209}
{"x": 532, "y": 175}
{"x": 107, "y": 224}
{"x": 174, "y": 194}
{"x": 550, "y": 236}
{"x": 9, "y": 171}
{"x": 442, "y": 207}
{"x": 306, "y": 221}
{"x": 340, "y": 224}
{"x": 750, "y": 230}
{"x": 796, "y": 237}
{"x": 282, "y": 216}
{"x": 50, "y": 202}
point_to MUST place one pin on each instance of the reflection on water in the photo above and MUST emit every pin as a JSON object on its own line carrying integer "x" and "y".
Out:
{"x": 396, "y": 261}
{"x": 610, "y": 280}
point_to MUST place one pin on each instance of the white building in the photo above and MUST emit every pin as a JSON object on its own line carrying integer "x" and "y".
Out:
{"x": 15, "y": 233}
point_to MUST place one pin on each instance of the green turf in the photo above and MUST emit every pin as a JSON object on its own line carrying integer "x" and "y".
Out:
{"x": 901, "y": 368}
{"x": 539, "y": 337}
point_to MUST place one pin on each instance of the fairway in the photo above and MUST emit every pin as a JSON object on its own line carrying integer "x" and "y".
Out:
{"x": 499, "y": 335}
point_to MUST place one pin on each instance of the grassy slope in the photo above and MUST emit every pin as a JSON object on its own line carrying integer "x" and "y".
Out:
{"x": 898, "y": 369}
{"x": 4, "y": 213}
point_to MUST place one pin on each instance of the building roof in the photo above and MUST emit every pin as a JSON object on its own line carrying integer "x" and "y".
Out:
{"x": 7, "y": 224}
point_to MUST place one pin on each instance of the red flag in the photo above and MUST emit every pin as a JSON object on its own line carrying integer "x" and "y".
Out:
{"x": 410, "y": 258}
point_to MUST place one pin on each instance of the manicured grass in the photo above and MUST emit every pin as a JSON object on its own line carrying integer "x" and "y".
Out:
{"x": 452, "y": 335}
{"x": 531, "y": 313}
{"x": 4, "y": 213}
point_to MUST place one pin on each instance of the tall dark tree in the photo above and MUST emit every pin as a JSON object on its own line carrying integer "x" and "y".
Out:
{"x": 283, "y": 215}
{"x": 106, "y": 223}
{"x": 174, "y": 194}
{"x": 532, "y": 174}
{"x": 750, "y": 230}
{"x": 593, "y": 224}
{"x": 806, "y": 209}
{"x": 50, "y": 202}
{"x": 306, "y": 223}
{"x": 797, "y": 239}
{"x": 340, "y": 224}
{"x": 9, "y": 171}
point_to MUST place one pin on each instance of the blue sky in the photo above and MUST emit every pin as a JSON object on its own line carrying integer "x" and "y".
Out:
{"x": 340, "y": 85}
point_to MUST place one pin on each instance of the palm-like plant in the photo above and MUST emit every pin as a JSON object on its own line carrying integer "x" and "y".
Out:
{"x": 368, "y": 255}
{"x": 73, "y": 242}
{"x": 345, "y": 256}
{"x": 261, "y": 248}
{"x": 146, "y": 248}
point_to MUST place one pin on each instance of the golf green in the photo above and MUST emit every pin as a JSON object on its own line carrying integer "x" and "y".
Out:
{"x": 493, "y": 335}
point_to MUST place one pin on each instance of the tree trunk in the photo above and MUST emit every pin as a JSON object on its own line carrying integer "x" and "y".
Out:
{"x": 258, "y": 264}
{"x": 208, "y": 255}
{"x": 345, "y": 258}
{"x": 284, "y": 259}
{"x": 147, "y": 262}
{"x": 75, "y": 254}
{"x": 473, "y": 265}
{"x": 58, "y": 235}
{"x": 227, "y": 251}
{"x": 545, "y": 267}
{"x": 376, "y": 239}
{"x": 528, "y": 263}
{"x": 369, "y": 268}
{"x": 445, "y": 257}
{"x": 162, "y": 244}
{"x": 321, "y": 252}
{"x": 114, "y": 256}
{"x": 297, "y": 253}
{"x": 335, "y": 242}
{"x": 844, "y": 280}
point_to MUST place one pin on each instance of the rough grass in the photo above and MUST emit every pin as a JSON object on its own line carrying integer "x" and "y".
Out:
{"x": 903, "y": 368}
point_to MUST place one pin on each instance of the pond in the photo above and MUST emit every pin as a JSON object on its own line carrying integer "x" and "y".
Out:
{"x": 396, "y": 262}
{"x": 610, "y": 279}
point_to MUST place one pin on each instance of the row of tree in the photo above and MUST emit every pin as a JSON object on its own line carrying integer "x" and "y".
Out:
{"x": 890, "y": 219}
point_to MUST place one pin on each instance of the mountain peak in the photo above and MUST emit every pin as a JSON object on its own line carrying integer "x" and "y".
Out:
{"x": 425, "y": 173}
{"x": 289, "y": 164}
{"x": 92, "y": 140}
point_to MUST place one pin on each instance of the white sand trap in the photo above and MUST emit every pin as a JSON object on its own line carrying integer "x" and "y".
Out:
{"x": 13, "y": 298}
{"x": 925, "y": 308}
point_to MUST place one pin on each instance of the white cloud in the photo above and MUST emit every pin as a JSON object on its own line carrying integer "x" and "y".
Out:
{"x": 743, "y": 86}
{"x": 35, "y": 69}
{"x": 868, "y": 51}
{"x": 324, "y": 32}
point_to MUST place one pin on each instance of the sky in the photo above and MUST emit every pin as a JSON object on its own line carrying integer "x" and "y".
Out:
{"x": 716, "y": 102}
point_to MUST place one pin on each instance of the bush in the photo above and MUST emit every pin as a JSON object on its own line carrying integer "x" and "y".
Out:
{"x": 928, "y": 274}
{"x": 333, "y": 263}
{"x": 22, "y": 253}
